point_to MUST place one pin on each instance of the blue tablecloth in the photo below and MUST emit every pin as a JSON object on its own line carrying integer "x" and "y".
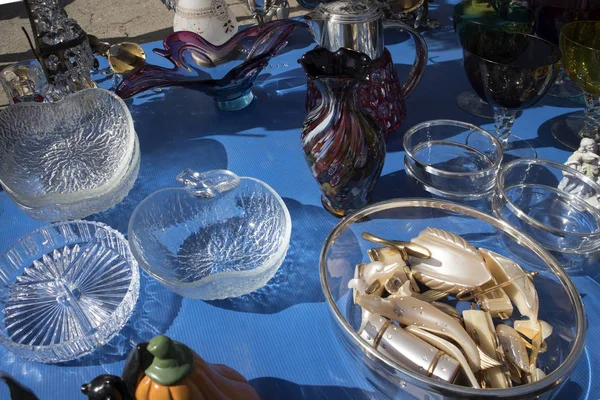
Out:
{"x": 279, "y": 337}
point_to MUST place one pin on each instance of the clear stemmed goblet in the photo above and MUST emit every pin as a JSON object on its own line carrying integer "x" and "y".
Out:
{"x": 551, "y": 16}
{"x": 511, "y": 71}
{"x": 580, "y": 45}
{"x": 476, "y": 16}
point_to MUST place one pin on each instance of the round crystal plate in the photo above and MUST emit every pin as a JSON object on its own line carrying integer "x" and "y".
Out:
{"x": 65, "y": 290}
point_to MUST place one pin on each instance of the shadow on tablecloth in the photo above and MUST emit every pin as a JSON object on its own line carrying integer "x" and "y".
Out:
{"x": 279, "y": 389}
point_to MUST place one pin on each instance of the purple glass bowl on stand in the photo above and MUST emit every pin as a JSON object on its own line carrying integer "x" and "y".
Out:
{"x": 226, "y": 72}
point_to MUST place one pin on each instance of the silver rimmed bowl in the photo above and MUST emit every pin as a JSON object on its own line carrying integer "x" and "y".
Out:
{"x": 403, "y": 219}
{"x": 553, "y": 203}
{"x": 452, "y": 159}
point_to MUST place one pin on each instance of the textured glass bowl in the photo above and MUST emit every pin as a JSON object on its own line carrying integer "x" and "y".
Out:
{"x": 452, "y": 159}
{"x": 403, "y": 219}
{"x": 221, "y": 236}
{"x": 225, "y": 72}
{"x": 68, "y": 159}
{"x": 553, "y": 203}
{"x": 65, "y": 290}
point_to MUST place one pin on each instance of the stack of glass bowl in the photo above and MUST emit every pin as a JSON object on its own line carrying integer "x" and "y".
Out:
{"x": 69, "y": 159}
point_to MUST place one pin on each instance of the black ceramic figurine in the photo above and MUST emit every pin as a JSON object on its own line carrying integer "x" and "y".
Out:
{"x": 106, "y": 387}
{"x": 17, "y": 391}
{"x": 111, "y": 387}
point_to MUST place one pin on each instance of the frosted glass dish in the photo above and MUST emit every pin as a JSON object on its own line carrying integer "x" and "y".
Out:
{"x": 220, "y": 236}
{"x": 68, "y": 159}
{"x": 65, "y": 290}
{"x": 87, "y": 206}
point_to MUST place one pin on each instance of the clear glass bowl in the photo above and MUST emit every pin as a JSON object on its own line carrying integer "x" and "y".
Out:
{"x": 220, "y": 236}
{"x": 68, "y": 159}
{"x": 555, "y": 204}
{"x": 403, "y": 219}
{"x": 452, "y": 159}
{"x": 65, "y": 290}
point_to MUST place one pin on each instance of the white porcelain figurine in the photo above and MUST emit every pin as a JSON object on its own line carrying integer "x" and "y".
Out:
{"x": 585, "y": 160}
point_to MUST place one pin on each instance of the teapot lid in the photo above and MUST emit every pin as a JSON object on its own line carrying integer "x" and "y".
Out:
{"x": 351, "y": 11}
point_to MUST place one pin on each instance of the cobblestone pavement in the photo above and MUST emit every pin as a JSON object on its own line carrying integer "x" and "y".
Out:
{"x": 111, "y": 20}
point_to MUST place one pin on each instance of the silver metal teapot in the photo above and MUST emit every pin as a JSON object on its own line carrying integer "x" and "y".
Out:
{"x": 359, "y": 25}
{"x": 269, "y": 10}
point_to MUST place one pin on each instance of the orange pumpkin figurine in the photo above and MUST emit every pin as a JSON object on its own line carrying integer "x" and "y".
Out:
{"x": 177, "y": 373}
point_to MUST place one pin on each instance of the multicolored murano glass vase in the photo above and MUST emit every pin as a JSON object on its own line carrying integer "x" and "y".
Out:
{"x": 343, "y": 145}
{"x": 381, "y": 95}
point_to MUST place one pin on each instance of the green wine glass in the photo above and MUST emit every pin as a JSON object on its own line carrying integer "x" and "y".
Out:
{"x": 551, "y": 16}
{"x": 580, "y": 45}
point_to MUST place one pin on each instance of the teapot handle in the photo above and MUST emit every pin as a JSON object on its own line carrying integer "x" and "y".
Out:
{"x": 420, "y": 59}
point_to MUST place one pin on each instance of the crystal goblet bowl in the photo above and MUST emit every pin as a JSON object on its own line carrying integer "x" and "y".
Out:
{"x": 552, "y": 15}
{"x": 69, "y": 159}
{"x": 473, "y": 17}
{"x": 512, "y": 72}
{"x": 66, "y": 289}
{"x": 225, "y": 72}
{"x": 220, "y": 236}
{"x": 403, "y": 219}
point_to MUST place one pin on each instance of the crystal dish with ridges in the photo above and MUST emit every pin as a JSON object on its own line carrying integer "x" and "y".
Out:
{"x": 65, "y": 290}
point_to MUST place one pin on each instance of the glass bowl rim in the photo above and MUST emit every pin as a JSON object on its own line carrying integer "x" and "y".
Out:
{"x": 522, "y": 215}
{"x": 80, "y": 195}
{"x": 272, "y": 261}
{"x": 582, "y": 22}
{"x": 530, "y": 389}
{"x": 557, "y": 53}
{"x": 450, "y": 122}
{"x": 134, "y": 286}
